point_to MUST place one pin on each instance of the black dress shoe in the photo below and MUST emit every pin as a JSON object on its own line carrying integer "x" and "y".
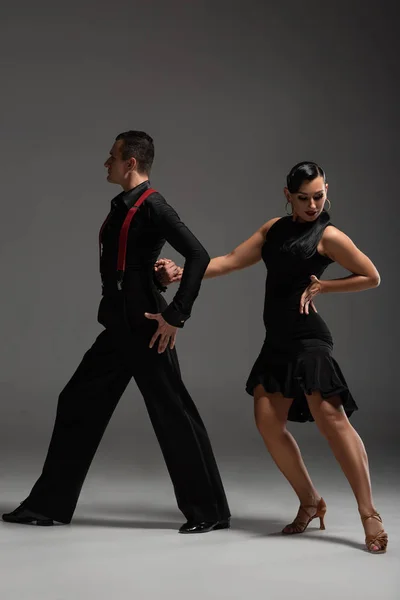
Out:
{"x": 204, "y": 526}
{"x": 26, "y": 517}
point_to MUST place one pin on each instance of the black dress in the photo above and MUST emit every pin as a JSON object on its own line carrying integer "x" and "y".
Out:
{"x": 296, "y": 357}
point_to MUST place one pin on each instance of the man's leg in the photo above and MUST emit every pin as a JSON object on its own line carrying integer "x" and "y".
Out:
{"x": 182, "y": 436}
{"x": 84, "y": 409}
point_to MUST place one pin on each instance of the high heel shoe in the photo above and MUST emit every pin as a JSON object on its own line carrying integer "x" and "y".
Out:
{"x": 380, "y": 539}
{"x": 299, "y": 526}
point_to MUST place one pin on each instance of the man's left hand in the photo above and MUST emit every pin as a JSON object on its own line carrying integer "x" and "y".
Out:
{"x": 165, "y": 331}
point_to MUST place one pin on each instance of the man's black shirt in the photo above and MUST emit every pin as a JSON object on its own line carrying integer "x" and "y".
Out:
{"x": 154, "y": 223}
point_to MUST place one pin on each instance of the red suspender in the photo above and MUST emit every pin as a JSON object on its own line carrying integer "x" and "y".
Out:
{"x": 123, "y": 236}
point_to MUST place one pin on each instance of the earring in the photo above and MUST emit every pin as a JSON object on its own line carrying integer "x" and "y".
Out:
{"x": 330, "y": 203}
{"x": 289, "y": 214}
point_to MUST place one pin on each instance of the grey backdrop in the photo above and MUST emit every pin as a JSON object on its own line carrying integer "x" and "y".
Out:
{"x": 234, "y": 94}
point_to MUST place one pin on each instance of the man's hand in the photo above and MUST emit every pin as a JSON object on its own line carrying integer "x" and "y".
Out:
{"x": 167, "y": 271}
{"x": 166, "y": 332}
{"x": 309, "y": 294}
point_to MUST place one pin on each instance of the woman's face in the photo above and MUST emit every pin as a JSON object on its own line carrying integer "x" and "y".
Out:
{"x": 308, "y": 202}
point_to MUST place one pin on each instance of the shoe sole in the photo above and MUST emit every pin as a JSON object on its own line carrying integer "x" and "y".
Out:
{"x": 216, "y": 527}
{"x": 38, "y": 522}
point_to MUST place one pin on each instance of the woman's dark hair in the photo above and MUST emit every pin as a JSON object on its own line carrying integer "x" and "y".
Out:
{"x": 306, "y": 244}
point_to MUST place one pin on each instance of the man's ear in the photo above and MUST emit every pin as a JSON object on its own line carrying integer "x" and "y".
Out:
{"x": 132, "y": 163}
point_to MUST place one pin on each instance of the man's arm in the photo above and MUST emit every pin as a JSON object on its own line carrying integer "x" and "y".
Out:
{"x": 196, "y": 259}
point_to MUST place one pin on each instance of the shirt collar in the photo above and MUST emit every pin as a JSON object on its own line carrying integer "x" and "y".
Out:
{"x": 134, "y": 194}
{"x": 129, "y": 198}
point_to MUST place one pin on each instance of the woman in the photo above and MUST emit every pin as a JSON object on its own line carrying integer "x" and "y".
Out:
{"x": 295, "y": 376}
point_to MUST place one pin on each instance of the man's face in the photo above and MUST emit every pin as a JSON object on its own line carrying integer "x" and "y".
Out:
{"x": 117, "y": 168}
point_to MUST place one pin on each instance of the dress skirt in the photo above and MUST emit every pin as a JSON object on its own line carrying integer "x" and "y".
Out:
{"x": 298, "y": 368}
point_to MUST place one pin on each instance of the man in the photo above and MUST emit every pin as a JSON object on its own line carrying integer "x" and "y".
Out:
{"x": 138, "y": 341}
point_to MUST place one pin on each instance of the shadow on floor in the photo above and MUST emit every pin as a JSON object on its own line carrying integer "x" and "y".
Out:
{"x": 255, "y": 526}
{"x": 168, "y": 519}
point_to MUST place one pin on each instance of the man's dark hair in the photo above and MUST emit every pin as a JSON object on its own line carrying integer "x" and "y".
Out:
{"x": 139, "y": 145}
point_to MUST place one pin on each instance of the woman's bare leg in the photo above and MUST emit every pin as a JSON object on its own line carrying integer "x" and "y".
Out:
{"x": 271, "y": 412}
{"x": 349, "y": 451}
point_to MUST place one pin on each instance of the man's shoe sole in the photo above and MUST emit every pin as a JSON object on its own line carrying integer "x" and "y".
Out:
{"x": 29, "y": 521}
{"x": 216, "y": 527}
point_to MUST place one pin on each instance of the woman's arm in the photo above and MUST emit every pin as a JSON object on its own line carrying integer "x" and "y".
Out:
{"x": 245, "y": 255}
{"x": 340, "y": 248}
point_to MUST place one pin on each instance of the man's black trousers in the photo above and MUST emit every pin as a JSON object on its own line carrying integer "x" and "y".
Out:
{"x": 88, "y": 401}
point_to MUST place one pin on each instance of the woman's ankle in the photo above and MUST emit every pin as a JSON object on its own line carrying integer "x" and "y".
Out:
{"x": 366, "y": 509}
{"x": 309, "y": 498}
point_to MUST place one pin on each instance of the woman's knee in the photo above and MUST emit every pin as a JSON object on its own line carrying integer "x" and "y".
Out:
{"x": 329, "y": 415}
{"x": 268, "y": 425}
{"x": 270, "y": 414}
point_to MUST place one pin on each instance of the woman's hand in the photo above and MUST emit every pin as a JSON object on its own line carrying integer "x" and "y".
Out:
{"x": 306, "y": 300}
{"x": 165, "y": 331}
{"x": 167, "y": 271}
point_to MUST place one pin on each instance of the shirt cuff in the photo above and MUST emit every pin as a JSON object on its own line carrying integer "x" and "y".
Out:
{"x": 174, "y": 317}
{"x": 158, "y": 284}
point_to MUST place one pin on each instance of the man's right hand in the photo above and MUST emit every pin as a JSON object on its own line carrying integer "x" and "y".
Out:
{"x": 167, "y": 271}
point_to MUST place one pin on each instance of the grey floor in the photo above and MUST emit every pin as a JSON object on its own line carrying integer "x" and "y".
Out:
{"x": 123, "y": 543}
